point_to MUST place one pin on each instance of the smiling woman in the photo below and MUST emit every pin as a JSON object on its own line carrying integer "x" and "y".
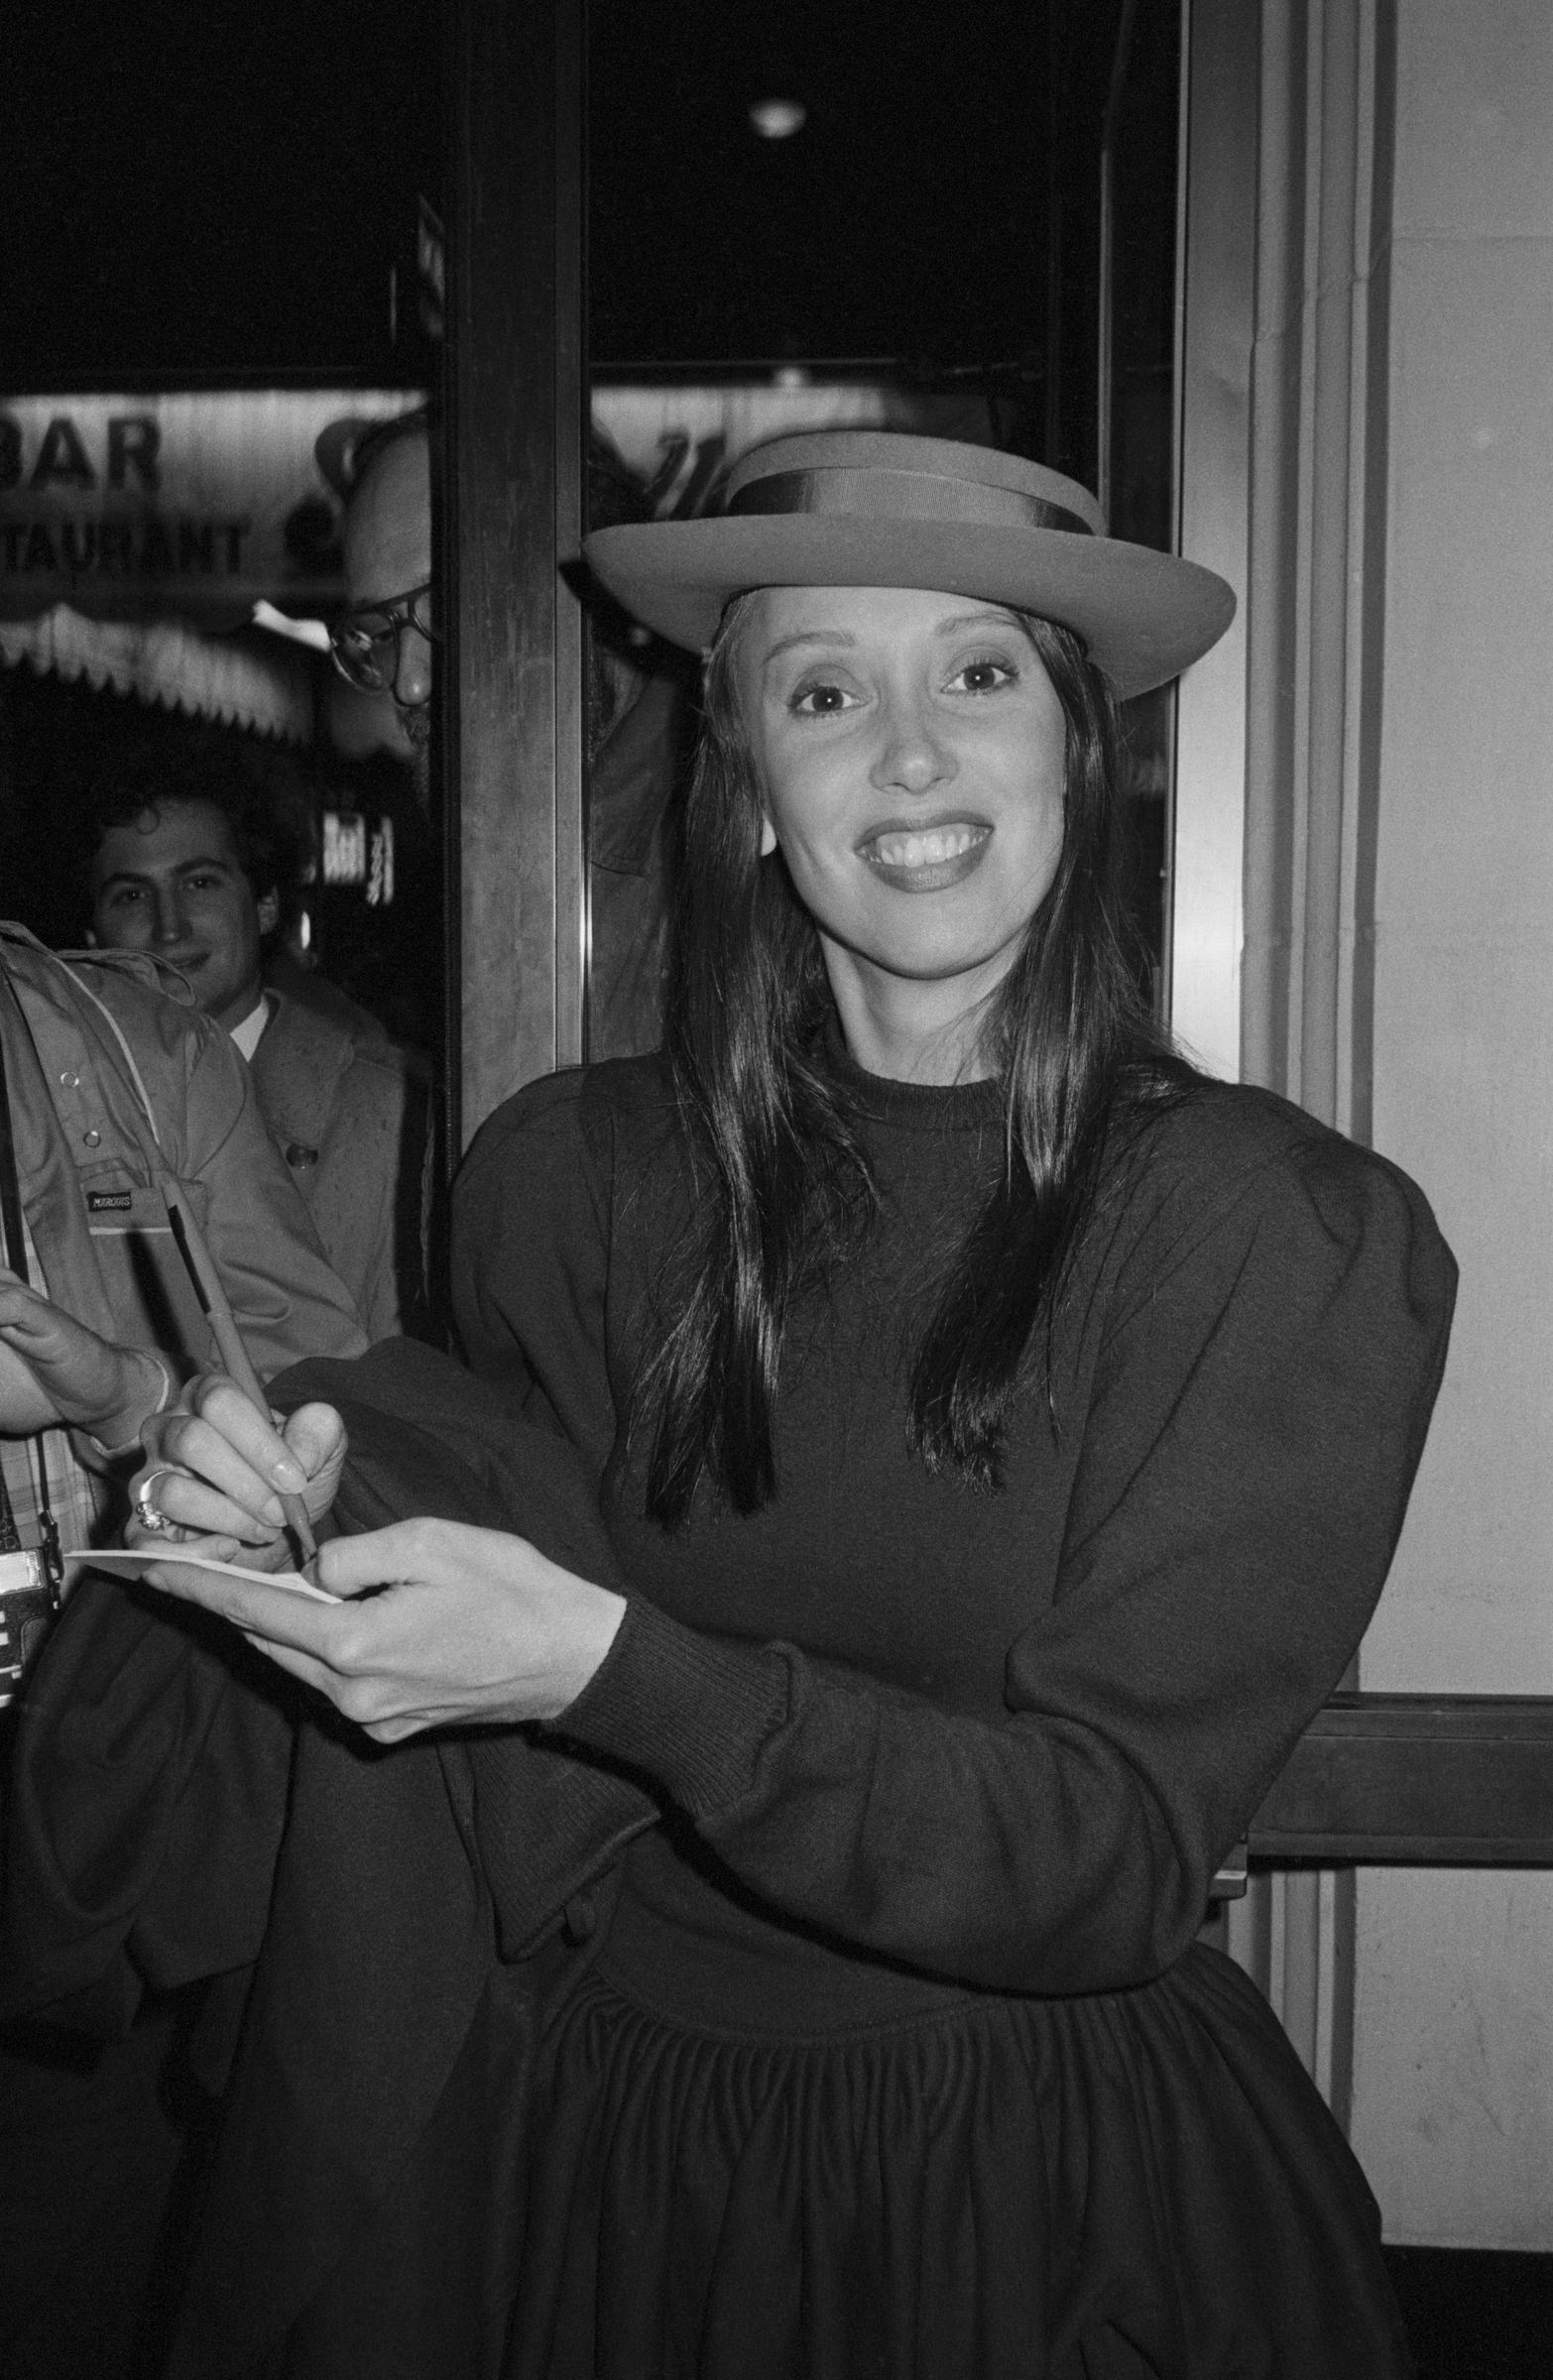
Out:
{"x": 982, "y": 1442}
{"x": 843, "y": 701}
{"x": 911, "y": 756}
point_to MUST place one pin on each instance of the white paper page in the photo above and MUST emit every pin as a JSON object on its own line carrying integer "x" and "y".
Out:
{"x": 120, "y": 1558}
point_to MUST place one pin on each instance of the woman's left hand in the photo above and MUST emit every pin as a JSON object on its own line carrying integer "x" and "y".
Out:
{"x": 468, "y": 1626}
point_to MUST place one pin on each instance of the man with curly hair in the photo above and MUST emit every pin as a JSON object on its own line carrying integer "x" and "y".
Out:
{"x": 196, "y": 846}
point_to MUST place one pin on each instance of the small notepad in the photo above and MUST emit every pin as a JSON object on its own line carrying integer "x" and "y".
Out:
{"x": 120, "y": 1558}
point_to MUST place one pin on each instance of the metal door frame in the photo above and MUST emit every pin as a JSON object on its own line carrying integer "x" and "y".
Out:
{"x": 515, "y": 400}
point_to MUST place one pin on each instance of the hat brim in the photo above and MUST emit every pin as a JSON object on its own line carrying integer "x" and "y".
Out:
{"x": 1145, "y": 616}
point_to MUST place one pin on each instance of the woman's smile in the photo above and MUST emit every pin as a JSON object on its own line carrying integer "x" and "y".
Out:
{"x": 911, "y": 753}
{"x": 927, "y": 859}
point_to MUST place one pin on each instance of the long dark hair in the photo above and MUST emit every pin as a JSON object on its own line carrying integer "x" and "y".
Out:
{"x": 782, "y": 1184}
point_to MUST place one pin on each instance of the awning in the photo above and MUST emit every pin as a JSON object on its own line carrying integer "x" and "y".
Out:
{"x": 248, "y": 678}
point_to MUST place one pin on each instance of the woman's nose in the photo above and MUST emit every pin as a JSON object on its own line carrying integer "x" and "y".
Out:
{"x": 170, "y": 914}
{"x": 912, "y": 755}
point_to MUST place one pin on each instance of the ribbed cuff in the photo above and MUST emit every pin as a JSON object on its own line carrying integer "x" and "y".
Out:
{"x": 689, "y": 1709}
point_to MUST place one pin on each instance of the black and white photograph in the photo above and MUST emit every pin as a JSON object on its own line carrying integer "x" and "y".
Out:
{"x": 777, "y": 1190}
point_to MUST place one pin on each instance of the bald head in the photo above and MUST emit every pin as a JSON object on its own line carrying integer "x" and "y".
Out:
{"x": 388, "y": 557}
{"x": 388, "y": 523}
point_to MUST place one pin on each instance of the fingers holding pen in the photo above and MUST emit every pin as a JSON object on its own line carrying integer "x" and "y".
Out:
{"x": 197, "y": 1479}
{"x": 218, "y": 1467}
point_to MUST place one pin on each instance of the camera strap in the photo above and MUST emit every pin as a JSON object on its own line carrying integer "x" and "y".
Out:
{"x": 10, "y": 1534}
{"x": 13, "y": 1231}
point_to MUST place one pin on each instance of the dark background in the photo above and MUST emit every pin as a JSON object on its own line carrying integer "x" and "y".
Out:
{"x": 199, "y": 194}
{"x": 203, "y": 192}
{"x": 229, "y": 190}
{"x": 204, "y": 189}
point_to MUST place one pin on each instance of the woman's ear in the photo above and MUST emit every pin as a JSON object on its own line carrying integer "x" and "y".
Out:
{"x": 767, "y": 838}
{"x": 269, "y": 913}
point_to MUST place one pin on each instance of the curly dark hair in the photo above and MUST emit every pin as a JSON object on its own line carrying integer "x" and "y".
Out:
{"x": 254, "y": 783}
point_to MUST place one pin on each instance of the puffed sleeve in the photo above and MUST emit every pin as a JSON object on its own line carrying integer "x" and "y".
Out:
{"x": 535, "y": 1180}
{"x": 1268, "y": 1357}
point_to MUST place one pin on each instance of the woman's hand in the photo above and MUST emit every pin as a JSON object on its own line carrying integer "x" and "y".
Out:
{"x": 56, "y": 1371}
{"x": 214, "y": 1465}
{"x": 468, "y": 1626}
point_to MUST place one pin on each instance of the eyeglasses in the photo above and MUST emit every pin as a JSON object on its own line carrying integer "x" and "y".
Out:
{"x": 365, "y": 643}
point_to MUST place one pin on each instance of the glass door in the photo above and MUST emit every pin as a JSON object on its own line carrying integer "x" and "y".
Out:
{"x": 686, "y": 225}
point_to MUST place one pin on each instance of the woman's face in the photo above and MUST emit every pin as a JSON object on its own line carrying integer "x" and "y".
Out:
{"x": 911, "y": 751}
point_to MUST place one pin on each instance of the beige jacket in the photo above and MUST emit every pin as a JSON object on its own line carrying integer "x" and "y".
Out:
{"x": 350, "y": 1113}
{"x": 107, "y": 1065}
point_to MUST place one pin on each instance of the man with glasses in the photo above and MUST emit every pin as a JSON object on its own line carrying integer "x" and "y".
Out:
{"x": 383, "y": 643}
{"x": 638, "y": 708}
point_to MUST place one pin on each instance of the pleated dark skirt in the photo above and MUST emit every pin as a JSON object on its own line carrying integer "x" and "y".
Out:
{"x": 753, "y": 2157}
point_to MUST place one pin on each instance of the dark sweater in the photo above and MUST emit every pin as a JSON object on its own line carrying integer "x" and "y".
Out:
{"x": 1006, "y": 1738}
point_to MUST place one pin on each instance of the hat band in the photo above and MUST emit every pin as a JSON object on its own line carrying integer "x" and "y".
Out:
{"x": 873, "y": 494}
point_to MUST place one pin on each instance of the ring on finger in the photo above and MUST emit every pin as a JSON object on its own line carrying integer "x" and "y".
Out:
{"x": 149, "y": 1515}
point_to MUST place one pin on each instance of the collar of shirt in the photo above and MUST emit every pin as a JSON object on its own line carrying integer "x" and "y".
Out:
{"x": 247, "y": 1034}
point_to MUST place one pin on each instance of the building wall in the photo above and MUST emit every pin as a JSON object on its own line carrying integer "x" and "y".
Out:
{"x": 1453, "y": 2077}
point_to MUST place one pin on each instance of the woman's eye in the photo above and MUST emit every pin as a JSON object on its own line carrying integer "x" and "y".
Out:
{"x": 984, "y": 675}
{"x": 822, "y": 701}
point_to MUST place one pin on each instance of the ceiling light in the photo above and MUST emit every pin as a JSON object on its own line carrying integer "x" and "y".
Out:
{"x": 778, "y": 119}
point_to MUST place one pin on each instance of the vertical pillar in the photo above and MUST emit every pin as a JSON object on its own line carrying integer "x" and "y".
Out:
{"x": 1315, "y": 623}
{"x": 1453, "y": 2109}
{"x": 1316, "y": 579}
{"x": 1216, "y": 278}
{"x": 513, "y": 515}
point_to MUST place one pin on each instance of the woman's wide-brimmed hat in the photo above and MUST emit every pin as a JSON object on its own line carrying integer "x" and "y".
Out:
{"x": 877, "y": 507}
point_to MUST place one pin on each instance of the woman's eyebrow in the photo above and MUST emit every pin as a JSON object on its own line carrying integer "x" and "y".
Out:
{"x": 998, "y": 615}
{"x": 994, "y": 615}
{"x": 808, "y": 636}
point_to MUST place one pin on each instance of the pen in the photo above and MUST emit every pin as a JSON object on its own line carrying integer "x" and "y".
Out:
{"x": 229, "y": 1341}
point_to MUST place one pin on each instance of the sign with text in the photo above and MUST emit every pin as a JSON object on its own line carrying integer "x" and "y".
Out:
{"x": 192, "y": 505}
{"x": 681, "y": 441}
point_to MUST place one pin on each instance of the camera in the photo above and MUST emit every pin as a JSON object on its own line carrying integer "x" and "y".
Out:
{"x": 29, "y": 1599}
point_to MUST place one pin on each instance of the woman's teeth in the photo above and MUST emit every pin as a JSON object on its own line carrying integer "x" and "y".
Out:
{"x": 927, "y": 850}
